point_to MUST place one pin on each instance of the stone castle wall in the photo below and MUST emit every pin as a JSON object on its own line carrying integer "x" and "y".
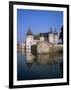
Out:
{"x": 43, "y": 48}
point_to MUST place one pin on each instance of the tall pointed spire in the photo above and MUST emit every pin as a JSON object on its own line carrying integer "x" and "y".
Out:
{"x": 29, "y": 31}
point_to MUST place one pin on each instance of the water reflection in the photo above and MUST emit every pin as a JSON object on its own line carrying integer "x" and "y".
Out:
{"x": 43, "y": 58}
{"x": 43, "y": 66}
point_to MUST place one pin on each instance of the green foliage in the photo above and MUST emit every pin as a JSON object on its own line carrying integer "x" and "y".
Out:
{"x": 61, "y": 34}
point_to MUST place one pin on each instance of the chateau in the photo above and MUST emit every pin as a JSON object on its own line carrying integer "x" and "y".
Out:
{"x": 41, "y": 42}
{"x": 48, "y": 38}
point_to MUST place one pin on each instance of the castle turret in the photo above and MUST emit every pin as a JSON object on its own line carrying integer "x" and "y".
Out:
{"x": 51, "y": 36}
{"x": 55, "y": 37}
{"x": 41, "y": 38}
{"x": 29, "y": 40}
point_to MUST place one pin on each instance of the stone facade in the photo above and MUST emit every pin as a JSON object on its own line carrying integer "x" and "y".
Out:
{"x": 42, "y": 47}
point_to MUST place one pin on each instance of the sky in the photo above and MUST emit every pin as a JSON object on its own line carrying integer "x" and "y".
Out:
{"x": 39, "y": 21}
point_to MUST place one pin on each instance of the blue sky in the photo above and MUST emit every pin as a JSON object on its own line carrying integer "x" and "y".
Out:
{"x": 38, "y": 20}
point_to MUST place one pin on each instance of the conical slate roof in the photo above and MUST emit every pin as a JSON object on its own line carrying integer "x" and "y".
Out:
{"x": 50, "y": 31}
{"x": 29, "y": 32}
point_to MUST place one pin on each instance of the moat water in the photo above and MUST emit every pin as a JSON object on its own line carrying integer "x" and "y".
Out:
{"x": 49, "y": 66}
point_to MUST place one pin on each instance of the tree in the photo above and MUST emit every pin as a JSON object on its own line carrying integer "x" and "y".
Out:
{"x": 61, "y": 34}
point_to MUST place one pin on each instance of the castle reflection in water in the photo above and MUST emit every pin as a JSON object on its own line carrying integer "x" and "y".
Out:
{"x": 41, "y": 66}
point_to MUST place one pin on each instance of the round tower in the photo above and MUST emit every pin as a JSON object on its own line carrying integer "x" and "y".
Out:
{"x": 55, "y": 37}
{"x": 29, "y": 40}
{"x": 51, "y": 36}
{"x": 41, "y": 38}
